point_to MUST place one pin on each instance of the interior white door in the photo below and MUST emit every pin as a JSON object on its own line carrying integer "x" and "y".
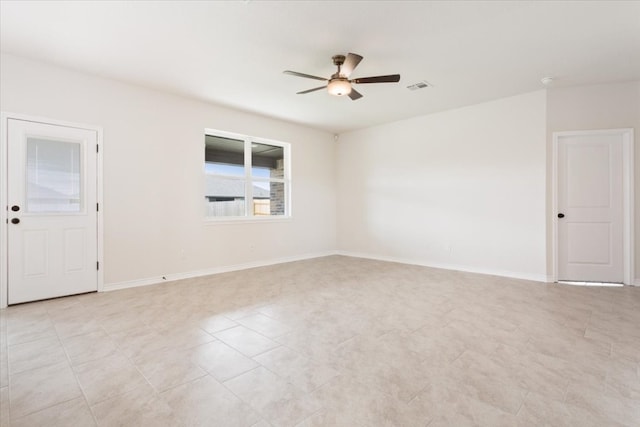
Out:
{"x": 52, "y": 203}
{"x": 590, "y": 207}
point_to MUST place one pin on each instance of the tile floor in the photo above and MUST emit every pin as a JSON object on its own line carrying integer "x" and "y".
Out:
{"x": 332, "y": 341}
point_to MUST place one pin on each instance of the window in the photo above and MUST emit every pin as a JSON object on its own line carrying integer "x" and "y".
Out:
{"x": 54, "y": 176}
{"x": 245, "y": 177}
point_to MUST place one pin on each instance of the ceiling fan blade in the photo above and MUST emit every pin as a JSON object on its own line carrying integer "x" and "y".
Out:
{"x": 308, "y": 76}
{"x": 393, "y": 78}
{"x": 354, "y": 94}
{"x": 350, "y": 63}
{"x": 311, "y": 90}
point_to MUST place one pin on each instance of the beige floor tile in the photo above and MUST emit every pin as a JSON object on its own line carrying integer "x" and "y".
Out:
{"x": 244, "y": 310}
{"x": 627, "y": 350}
{"x": 4, "y": 407}
{"x": 588, "y": 418}
{"x": 443, "y": 401}
{"x": 454, "y": 419}
{"x": 479, "y": 337}
{"x": 436, "y": 345}
{"x": 622, "y": 378}
{"x": 35, "y": 354}
{"x": 612, "y": 329}
{"x": 70, "y": 327}
{"x": 140, "y": 407}
{"x": 319, "y": 347}
{"x": 220, "y": 360}
{"x": 27, "y": 328}
{"x": 272, "y": 397}
{"x": 487, "y": 381}
{"x": 92, "y": 346}
{"x": 400, "y": 316}
{"x": 535, "y": 372}
{"x": 593, "y": 401}
{"x": 245, "y": 340}
{"x": 332, "y": 325}
{"x": 183, "y": 335}
{"x": 490, "y": 416}
{"x": 539, "y": 410}
{"x": 293, "y": 310}
{"x": 328, "y": 418}
{"x": 264, "y": 325}
{"x": 451, "y": 413}
{"x": 40, "y": 388}
{"x": 213, "y": 324}
{"x": 365, "y": 348}
{"x": 110, "y": 376}
{"x": 26, "y": 312}
{"x": 372, "y": 343}
{"x": 304, "y": 373}
{"x": 164, "y": 370}
{"x": 205, "y": 402}
{"x": 71, "y": 413}
{"x": 115, "y": 320}
{"x": 4, "y": 367}
{"x": 351, "y": 403}
{"x": 584, "y": 351}
{"x": 379, "y": 362}
{"x": 402, "y": 381}
{"x": 139, "y": 341}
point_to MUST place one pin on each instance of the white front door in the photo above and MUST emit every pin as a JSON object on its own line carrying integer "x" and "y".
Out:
{"x": 52, "y": 218}
{"x": 590, "y": 207}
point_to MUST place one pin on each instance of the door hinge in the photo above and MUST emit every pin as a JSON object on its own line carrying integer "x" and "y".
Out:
{"x": 97, "y": 207}
{"x": 97, "y": 148}
{"x": 97, "y": 265}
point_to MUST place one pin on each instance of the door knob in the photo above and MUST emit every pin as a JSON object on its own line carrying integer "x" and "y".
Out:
{"x": 560, "y": 215}
{"x": 15, "y": 220}
{"x": 15, "y": 208}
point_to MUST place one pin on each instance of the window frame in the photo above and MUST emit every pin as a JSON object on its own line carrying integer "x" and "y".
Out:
{"x": 249, "y": 179}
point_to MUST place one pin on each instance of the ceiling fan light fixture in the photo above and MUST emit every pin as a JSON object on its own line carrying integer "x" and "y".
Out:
{"x": 339, "y": 83}
{"x": 339, "y": 87}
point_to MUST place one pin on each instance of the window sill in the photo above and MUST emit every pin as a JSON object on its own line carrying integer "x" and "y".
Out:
{"x": 245, "y": 220}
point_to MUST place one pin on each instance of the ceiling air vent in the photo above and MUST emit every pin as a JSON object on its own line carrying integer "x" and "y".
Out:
{"x": 420, "y": 85}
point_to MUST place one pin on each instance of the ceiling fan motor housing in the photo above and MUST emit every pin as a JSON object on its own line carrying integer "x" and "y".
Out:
{"x": 338, "y": 59}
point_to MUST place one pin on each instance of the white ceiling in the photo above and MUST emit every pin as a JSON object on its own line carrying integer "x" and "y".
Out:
{"x": 233, "y": 53}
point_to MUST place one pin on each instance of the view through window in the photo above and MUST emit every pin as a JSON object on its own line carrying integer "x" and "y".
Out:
{"x": 245, "y": 176}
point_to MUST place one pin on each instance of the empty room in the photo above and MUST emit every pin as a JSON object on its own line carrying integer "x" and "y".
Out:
{"x": 319, "y": 213}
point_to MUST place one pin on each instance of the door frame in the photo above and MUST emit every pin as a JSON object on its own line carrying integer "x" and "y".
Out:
{"x": 4, "y": 185}
{"x": 627, "y": 197}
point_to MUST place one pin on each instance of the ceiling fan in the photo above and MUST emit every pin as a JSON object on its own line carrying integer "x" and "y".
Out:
{"x": 339, "y": 83}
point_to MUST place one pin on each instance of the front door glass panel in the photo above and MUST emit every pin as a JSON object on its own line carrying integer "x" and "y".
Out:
{"x": 54, "y": 176}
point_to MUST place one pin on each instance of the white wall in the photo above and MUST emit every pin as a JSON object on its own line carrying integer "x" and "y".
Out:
{"x": 462, "y": 189}
{"x": 606, "y": 106}
{"x": 153, "y": 174}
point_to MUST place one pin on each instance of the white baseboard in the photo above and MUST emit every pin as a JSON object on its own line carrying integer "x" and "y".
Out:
{"x": 456, "y": 267}
{"x": 209, "y": 271}
{"x": 264, "y": 263}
